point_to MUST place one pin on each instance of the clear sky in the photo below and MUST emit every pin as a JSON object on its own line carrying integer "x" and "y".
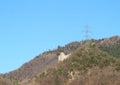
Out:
{"x": 30, "y": 27}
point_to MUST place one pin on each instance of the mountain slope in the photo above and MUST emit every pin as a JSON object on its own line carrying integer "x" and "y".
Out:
{"x": 4, "y": 81}
{"x": 85, "y": 67}
{"x": 111, "y": 45}
{"x": 49, "y": 59}
{"x": 30, "y": 69}
{"x": 41, "y": 63}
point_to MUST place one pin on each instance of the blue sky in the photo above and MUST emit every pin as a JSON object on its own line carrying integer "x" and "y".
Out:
{"x": 30, "y": 27}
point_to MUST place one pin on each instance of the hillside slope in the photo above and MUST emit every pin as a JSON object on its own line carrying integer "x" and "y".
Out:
{"x": 4, "y": 81}
{"x": 111, "y": 45}
{"x": 41, "y": 63}
{"x": 49, "y": 59}
{"x": 89, "y": 66}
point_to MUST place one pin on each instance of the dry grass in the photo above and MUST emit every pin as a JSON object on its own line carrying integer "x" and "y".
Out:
{"x": 97, "y": 76}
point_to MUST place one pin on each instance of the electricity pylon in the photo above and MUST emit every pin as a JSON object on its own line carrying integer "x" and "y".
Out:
{"x": 87, "y": 36}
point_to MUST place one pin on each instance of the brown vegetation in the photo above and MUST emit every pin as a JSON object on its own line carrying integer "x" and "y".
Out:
{"x": 95, "y": 65}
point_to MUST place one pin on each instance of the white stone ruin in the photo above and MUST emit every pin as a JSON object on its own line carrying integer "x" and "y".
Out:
{"x": 63, "y": 57}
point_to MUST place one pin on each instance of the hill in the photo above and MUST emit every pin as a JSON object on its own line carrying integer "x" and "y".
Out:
{"x": 84, "y": 67}
{"x": 102, "y": 57}
{"x": 4, "y": 81}
{"x": 40, "y": 63}
{"x": 111, "y": 45}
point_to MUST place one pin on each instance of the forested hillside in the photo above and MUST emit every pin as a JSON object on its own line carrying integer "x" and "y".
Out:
{"x": 89, "y": 66}
{"x": 92, "y": 62}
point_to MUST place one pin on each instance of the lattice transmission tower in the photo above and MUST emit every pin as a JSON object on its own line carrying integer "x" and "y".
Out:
{"x": 87, "y": 37}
